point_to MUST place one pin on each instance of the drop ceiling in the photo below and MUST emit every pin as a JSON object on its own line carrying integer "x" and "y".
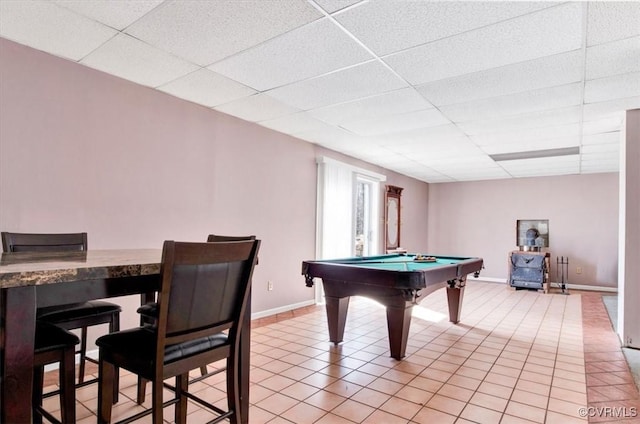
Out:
{"x": 434, "y": 90}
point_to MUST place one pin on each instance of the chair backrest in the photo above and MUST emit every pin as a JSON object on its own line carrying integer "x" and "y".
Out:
{"x": 213, "y": 238}
{"x": 31, "y": 242}
{"x": 205, "y": 289}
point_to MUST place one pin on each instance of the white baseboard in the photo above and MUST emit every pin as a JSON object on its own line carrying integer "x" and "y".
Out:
{"x": 282, "y": 309}
{"x": 552, "y": 284}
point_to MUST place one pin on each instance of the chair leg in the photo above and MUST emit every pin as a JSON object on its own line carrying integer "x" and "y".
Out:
{"x": 156, "y": 403}
{"x": 142, "y": 390}
{"x": 113, "y": 327}
{"x": 233, "y": 388}
{"x": 68, "y": 386}
{"x": 105, "y": 391}
{"x": 38, "y": 381}
{"x": 83, "y": 354}
{"x": 203, "y": 370}
{"x": 182, "y": 385}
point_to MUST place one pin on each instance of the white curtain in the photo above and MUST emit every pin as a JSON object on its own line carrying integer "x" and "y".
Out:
{"x": 335, "y": 210}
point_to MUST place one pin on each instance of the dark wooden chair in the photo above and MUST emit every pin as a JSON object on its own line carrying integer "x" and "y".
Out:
{"x": 201, "y": 307}
{"x": 149, "y": 311}
{"x": 54, "y": 344}
{"x": 72, "y": 316}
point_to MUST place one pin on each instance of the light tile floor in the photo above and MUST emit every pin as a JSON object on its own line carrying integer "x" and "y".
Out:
{"x": 515, "y": 357}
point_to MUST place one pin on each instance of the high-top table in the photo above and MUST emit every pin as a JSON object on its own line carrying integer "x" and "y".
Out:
{"x": 32, "y": 280}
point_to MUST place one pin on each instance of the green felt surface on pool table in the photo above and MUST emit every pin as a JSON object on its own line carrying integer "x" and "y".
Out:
{"x": 402, "y": 262}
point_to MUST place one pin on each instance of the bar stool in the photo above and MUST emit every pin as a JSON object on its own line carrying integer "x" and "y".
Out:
{"x": 54, "y": 344}
{"x": 71, "y": 316}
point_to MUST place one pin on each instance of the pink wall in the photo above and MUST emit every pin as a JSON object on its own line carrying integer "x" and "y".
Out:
{"x": 479, "y": 219}
{"x": 84, "y": 151}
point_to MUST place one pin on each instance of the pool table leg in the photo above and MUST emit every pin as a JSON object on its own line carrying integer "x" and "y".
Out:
{"x": 398, "y": 323}
{"x": 336, "y": 316}
{"x": 454, "y": 296}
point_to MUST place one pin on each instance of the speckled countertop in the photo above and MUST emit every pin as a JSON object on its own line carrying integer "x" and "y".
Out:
{"x": 35, "y": 268}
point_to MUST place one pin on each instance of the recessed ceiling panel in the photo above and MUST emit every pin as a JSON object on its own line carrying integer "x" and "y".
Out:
{"x": 305, "y": 52}
{"x": 614, "y": 138}
{"x": 561, "y": 116}
{"x": 207, "y": 31}
{"x": 516, "y": 104}
{"x": 619, "y": 57}
{"x": 607, "y": 150}
{"x": 612, "y": 20}
{"x": 116, "y": 14}
{"x": 604, "y": 125}
{"x": 548, "y": 32}
{"x": 396, "y": 123}
{"x": 136, "y": 61}
{"x": 349, "y": 84}
{"x": 259, "y": 107}
{"x": 612, "y": 88}
{"x": 610, "y": 109}
{"x": 531, "y": 135}
{"x": 534, "y": 74}
{"x": 390, "y": 26}
{"x": 562, "y": 165}
{"x": 206, "y": 88}
{"x": 393, "y": 102}
{"x": 331, "y": 6}
{"x": 51, "y": 28}
{"x": 292, "y": 124}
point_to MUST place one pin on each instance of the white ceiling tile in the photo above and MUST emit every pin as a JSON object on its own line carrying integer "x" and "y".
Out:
{"x": 612, "y": 20}
{"x": 336, "y": 139}
{"x": 519, "y": 77}
{"x": 207, "y": 31}
{"x": 605, "y": 125}
{"x": 206, "y": 88}
{"x": 560, "y": 165}
{"x": 561, "y": 116}
{"x": 550, "y": 31}
{"x": 610, "y": 108}
{"x": 292, "y": 124}
{"x": 516, "y": 104}
{"x": 434, "y": 151}
{"x": 259, "y": 107}
{"x": 397, "y": 123}
{"x": 136, "y": 61}
{"x": 527, "y": 134}
{"x": 607, "y": 150}
{"x": 476, "y": 175}
{"x": 595, "y": 165}
{"x": 305, "y": 52}
{"x": 604, "y": 138}
{"x": 612, "y": 88}
{"x": 462, "y": 163}
{"x": 359, "y": 81}
{"x": 118, "y": 15}
{"x": 46, "y": 26}
{"x": 331, "y": 6}
{"x": 389, "y": 26}
{"x": 619, "y": 57}
{"x": 393, "y": 102}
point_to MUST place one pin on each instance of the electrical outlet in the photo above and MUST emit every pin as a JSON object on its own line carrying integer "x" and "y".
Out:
{"x": 579, "y": 270}
{"x": 269, "y": 285}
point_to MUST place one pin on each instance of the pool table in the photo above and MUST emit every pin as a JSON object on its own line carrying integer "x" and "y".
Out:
{"x": 398, "y": 281}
